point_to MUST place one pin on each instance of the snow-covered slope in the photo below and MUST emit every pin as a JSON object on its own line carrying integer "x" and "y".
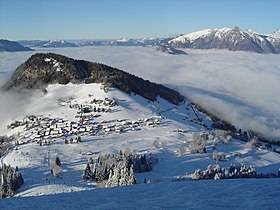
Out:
{"x": 192, "y": 36}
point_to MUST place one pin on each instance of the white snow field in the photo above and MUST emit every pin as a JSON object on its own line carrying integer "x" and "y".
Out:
{"x": 159, "y": 128}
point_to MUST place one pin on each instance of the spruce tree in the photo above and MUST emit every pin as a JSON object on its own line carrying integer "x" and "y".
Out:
{"x": 87, "y": 174}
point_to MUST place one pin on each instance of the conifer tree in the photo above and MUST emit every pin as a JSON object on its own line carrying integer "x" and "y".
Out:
{"x": 87, "y": 174}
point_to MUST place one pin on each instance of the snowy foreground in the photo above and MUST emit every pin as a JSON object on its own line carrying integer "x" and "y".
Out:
{"x": 223, "y": 194}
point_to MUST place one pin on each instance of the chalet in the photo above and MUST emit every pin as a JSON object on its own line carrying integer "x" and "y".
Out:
{"x": 124, "y": 123}
{"x": 107, "y": 129}
{"x": 60, "y": 125}
{"x": 88, "y": 128}
{"x": 54, "y": 132}
{"x": 82, "y": 129}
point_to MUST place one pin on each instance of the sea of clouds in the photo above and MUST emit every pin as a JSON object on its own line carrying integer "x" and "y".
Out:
{"x": 240, "y": 87}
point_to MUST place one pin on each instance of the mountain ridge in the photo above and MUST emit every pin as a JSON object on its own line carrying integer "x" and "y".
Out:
{"x": 12, "y": 46}
{"x": 55, "y": 44}
{"x": 42, "y": 69}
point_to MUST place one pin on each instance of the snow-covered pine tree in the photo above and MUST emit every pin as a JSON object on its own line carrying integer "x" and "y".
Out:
{"x": 124, "y": 174}
{"x": 87, "y": 174}
{"x": 114, "y": 177}
{"x": 131, "y": 177}
{"x": 10, "y": 181}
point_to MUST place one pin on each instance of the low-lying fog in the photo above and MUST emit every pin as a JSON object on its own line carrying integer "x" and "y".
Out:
{"x": 240, "y": 87}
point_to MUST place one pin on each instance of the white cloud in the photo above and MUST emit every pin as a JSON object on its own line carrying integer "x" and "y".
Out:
{"x": 240, "y": 87}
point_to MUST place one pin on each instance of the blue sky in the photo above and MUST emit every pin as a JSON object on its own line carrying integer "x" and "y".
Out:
{"x": 104, "y": 19}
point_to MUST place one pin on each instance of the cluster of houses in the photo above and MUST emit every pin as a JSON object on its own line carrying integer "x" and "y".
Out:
{"x": 45, "y": 130}
{"x": 95, "y": 105}
{"x": 123, "y": 125}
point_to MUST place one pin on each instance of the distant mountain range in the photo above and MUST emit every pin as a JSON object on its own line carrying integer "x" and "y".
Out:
{"x": 233, "y": 39}
{"x": 122, "y": 42}
{"x": 64, "y": 43}
{"x": 11, "y": 46}
{"x": 55, "y": 44}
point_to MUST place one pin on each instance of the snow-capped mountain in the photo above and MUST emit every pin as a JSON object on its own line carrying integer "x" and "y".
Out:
{"x": 276, "y": 34}
{"x": 233, "y": 39}
{"x": 55, "y": 44}
{"x": 150, "y": 41}
{"x": 123, "y": 42}
{"x": 89, "y": 43}
{"x": 12, "y": 46}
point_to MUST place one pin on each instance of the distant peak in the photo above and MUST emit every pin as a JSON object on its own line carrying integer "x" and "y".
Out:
{"x": 125, "y": 39}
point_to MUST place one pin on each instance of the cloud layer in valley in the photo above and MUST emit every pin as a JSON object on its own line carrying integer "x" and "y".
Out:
{"x": 239, "y": 87}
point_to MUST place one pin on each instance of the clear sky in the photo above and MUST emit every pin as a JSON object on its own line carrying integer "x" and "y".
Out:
{"x": 104, "y": 19}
